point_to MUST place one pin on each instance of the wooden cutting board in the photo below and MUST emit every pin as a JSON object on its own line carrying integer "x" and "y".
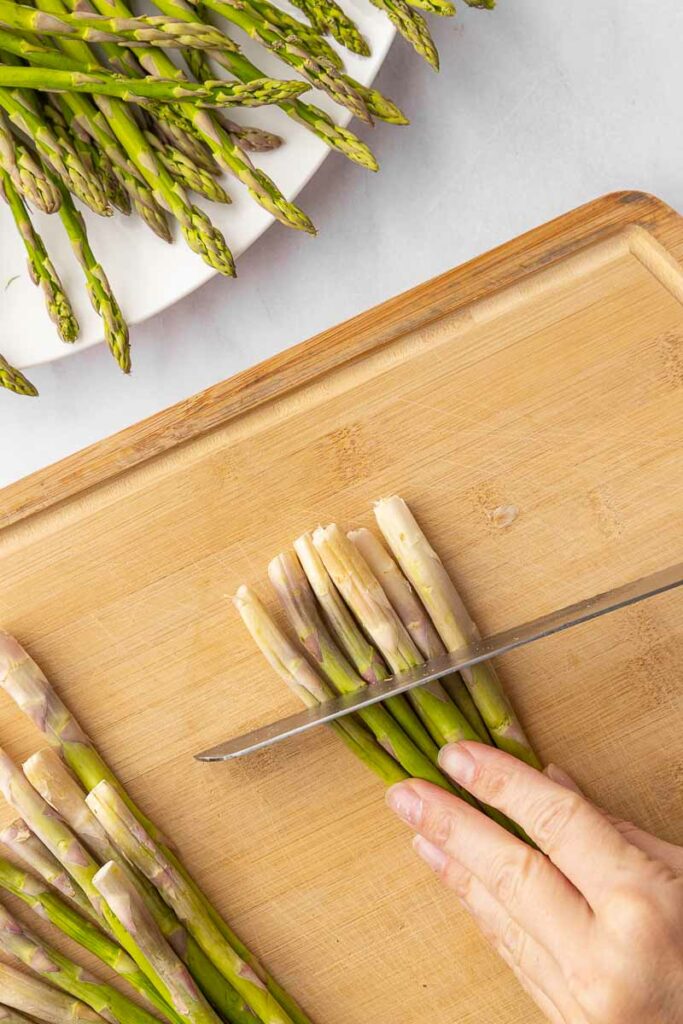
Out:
{"x": 546, "y": 375}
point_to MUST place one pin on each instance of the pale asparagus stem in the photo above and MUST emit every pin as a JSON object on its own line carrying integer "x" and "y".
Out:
{"x": 14, "y": 380}
{"x": 29, "y": 850}
{"x": 153, "y": 954}
{"x": 361, "y": 652}
{"x": 71, "y": 853}
{"x": 304, "y": 681}
{"x": 426, "y": 572}
{"x": 139, "y": 848}
{"x": 48, "y": 774}
{"x": 28, "y": 995}
{"x": 298, "y": 602}
{"x": 26, "y": 684}
{"x": 18, "y": 942}
{"x": 366, "y": 599}
{"x": 412, "y": 614}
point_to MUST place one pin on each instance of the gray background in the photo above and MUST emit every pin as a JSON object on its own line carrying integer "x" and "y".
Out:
{"x": 541, "y": 105}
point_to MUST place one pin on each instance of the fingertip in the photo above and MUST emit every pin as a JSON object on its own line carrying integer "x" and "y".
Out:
{"x": 457, "y": 761}
{"x": 402, "y": 799}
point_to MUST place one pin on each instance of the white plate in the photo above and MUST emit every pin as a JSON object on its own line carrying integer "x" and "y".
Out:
{"x": 147, "y": 275}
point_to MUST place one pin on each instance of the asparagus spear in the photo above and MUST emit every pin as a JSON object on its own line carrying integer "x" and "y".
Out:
{"x": 251, "y": 137}
{"x": 138, "y": 90}
{"x": 25, "y": 173}
{"x": 186, "y": 172}
{"x": 154, "y": 956}
{"x": 14, "y": 380}
{"x": 40, "y": 267}
{"x": 412, "y": 26}
{"x": 24, "y": 682}
{"x": 50, "y": 777}
{"x": 298, "y": 602}
{"x": 426, "y": 572}
{"x": 444, "y": 8}
{"x": 16, "y": 941}
{"x": 412, "y": 614}
{"x": 140, "y": 849}
{"x": 370, "y": 605}
{"x": 29, "y": 850}
{"x": 329, "y": 19}
{"x": 49, "y": 906}
{"x": 28, "y": 995}
{"x": 308, "y": 38}
{"x": 100, "y": 293}
{"x": 154, "y": 31}
{"x": 295, "y": 671}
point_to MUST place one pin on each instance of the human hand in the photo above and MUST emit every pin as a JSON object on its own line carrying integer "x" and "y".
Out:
{"x": 593, "y": 925}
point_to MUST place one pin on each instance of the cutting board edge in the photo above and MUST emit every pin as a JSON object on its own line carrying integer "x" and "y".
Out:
{"x": 482, "y": 276}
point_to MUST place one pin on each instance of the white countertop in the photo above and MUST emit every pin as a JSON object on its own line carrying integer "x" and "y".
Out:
{"x": 540, "y": 106}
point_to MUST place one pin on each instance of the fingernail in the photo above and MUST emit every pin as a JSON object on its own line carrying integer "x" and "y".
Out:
{"x": 457, "y": 762}
{"x": 430, "y": 854}
{"x": 405, "y": 802}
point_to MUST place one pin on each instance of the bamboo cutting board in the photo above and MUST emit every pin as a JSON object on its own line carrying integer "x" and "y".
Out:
{"x": 547, "y": 376}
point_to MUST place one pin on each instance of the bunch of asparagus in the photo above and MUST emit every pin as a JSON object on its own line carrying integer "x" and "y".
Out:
{"x": 93, "y": 107}
{"x": 85, "y": 858}
{"x": 361, "y": 610}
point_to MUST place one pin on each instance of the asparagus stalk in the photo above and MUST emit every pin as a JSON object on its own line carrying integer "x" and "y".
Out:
{"x": 155, "y": 957}
{"x": 444, "y": 8}
{"x": 250, "y": 137}
{"x": 140, "y": 849}
{"x": 412, "y": 26}
{"x": 426, "y": 572}
{"x": 49, "y": 906}
{"x": 139, "y": 90}
{"x": 298, "y": 602}
{"x": 28, "y": 995}
{"x": 40, "y": 266}
{"x": 24, "y": 682}
{"x": 16, "y": 941}
{"x": 308, "y": 38}
{"x": 50, "y": 777}
{"x": 328, "y": 18}
{"x": 412, "y": 614}
{"x": 366, "y": 599}
{"x": 188, "y": 173}
{"x": 94, "y": 28}
{"x": 29, "y": 850}
{"x": 295, "y": 671}
{"x": 25, "y": 173}
{"x": 14, "y": 380}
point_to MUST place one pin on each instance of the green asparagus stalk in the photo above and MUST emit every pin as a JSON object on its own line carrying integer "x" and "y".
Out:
{"x": 305, "y": 682}
{"x": 186, "y": 172}
{"x": 138, "y": 90}
{"x": 140, "y": 849}
{"x": 25, "y": 173}
{"x": 24, "y": 682}
{"x": 138, "y": 930}
{"x": 28, "y": 995}
{"x": 50, "y": 777}
{"x": 62, "y": 158}
{"x": 93, "y": 28}
{"x": 412, "y": 614}
{"x": 328, "y": 18}
{"x": 40, "y": 267}
{"x": 100, "y": 293}
{"x": 50, "y": 906}
{"x": 14, "y": 380}
{"x": 412, "y": 26}
{"x": 426, "y": 572}
{"x": 57, "y": 969}
{"x": 29, "y": 850}
{"x": 368, "y": 602}
{"x": 444, "y": 8}
{"x": 377, "y": 104}
{"x": 249, "y": 136}
{"x": 308, "y": 38}
{"x": 298, "y": 602}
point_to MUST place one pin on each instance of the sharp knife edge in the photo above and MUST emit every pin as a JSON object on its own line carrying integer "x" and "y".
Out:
{"x": 480, "y": 650}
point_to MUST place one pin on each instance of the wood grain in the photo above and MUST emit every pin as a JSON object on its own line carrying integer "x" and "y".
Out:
{"x": 548, "y": 376}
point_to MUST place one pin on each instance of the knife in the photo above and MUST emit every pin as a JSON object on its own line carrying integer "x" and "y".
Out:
{"x": 480, "y": 650}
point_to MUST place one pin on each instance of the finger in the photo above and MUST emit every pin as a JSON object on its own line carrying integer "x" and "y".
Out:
{"x": 533, "y": 892}
{"x": 573, "y": 833}
{"x": 656, "y": 848}
{"x": 536, "y": 970}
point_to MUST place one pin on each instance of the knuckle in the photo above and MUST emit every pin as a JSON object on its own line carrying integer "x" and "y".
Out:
{"x": 552, "y": 817}
{"x": 436, "y": 824}
{"x": 512, "y": 942}
{"x": 511, "y": 874}
{"x": 608, "y": 1000}
{"x": 633, "y": 916}
{"x": 458, "y": 880}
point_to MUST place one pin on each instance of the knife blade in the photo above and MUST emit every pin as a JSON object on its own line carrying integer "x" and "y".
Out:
{"x": 480, "y": 650}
